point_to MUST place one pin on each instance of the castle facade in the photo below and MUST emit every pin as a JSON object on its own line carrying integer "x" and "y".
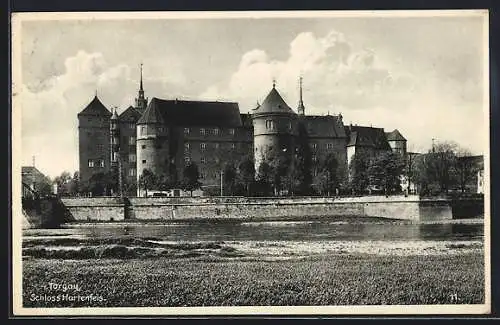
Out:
{"x": 163, "y": 135}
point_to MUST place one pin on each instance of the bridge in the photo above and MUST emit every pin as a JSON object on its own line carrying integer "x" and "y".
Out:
{"x": 41, "y": 212}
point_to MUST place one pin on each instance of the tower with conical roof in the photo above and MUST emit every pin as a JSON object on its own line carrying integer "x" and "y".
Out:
{"x": 141, "y": 102}
{"x": 94, "y": 139}
{"x": 274, "y": 124}
{"x": 152, "y": 144}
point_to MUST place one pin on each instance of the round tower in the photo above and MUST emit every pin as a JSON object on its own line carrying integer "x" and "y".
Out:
{"x": 152, "y": 144}
{"x": 274, "y": 124}
{"x": 115, "y": 138}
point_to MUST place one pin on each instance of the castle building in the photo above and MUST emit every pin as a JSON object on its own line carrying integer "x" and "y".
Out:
{"x": 163, "y": 135}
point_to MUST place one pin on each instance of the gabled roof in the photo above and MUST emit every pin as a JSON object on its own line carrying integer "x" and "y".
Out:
{"x": 394, "y": 136}
{"x": 324, "y": 126}
{"x": 273, "y": 103}
{"x": 151, "y": 116}
{"x": 196, "y": 113}
{"x": 364, "y": 136}
{"x": 131, "y": 114}
{"x": 95, "y": 108}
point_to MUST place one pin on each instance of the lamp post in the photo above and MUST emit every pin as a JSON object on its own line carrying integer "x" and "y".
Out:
{"x": 222, "y": 182}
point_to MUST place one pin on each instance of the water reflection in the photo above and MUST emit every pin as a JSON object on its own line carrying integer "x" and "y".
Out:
{"x": 271, "y": 231}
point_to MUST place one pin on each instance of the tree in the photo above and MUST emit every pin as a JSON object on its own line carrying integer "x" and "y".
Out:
{"x": 385, "y": 171}
{"x": 246, "y": 173}
{"x": 191, "y": 176}
{"x": 147, "y": 180}
{"x": 358, "y": 171}
{"x": 465, "y": 168}
{"x": 229, "y": 178}
{"x": 63, "y": 183}
{"x": 265, "y": 178}
{"x": 328, "y": 174}
{"x": 302, "y": 163}
{"x": 74, "y": 187}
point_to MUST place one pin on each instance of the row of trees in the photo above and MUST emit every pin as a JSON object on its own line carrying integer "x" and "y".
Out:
{"x": 440, "y": 170}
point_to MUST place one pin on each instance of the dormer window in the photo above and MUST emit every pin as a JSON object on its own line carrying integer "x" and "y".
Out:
{"x": 216, "y": 131}
{"x": 231, "y": 131}
{"x": 202, "y": 131}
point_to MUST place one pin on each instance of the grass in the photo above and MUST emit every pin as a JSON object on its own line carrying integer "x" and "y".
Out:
{"x": 326, "y": 280}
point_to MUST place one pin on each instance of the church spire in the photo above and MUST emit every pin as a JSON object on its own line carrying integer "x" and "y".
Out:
{"x": 141, "y": 89}
{"x": 300, "y": 108}
{"x": 140, "y": 101}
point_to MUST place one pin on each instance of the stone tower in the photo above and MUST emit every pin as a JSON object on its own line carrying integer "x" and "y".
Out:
{"x": 93, "y": 139}
{"x": 141, "y": 102}
{"x": 274, "y": 124}
{"x": 152, "y": 143}
{"x": 397, "y": 142}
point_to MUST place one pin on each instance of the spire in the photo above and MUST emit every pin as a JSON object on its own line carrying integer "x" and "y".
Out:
{"x": 274, "y": 83}
{"x": 141, "y": 89}
{"x": 140, "y": 101}
{"x": 301, "y": 108}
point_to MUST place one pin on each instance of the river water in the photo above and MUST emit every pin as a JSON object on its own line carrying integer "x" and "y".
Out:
{"x": 346, "y": 230}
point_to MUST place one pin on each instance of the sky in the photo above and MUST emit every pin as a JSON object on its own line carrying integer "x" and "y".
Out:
{"x": 422, "y": 75}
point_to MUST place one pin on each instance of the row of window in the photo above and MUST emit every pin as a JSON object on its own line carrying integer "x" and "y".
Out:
{"x": 314, "y": 146}
{"x": 210, "y": 131}
{"x": 272, "y": 125}
{"x": 99, "y": 163}
{"x": 203, "y": 146}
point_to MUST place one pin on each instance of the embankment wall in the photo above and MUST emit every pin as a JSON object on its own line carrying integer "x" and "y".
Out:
{"x": 186, "y": 208}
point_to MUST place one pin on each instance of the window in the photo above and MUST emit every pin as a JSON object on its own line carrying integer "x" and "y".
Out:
{"x": 186, "y": 146}
{"x": 216, "y": 145}
{"x": 329, "y": 146}
{"x": 161, "y": 129}
{"x": 187, "y": 159}
{"x": 314, "y": 158}
{"x": 269, "y": 124}
{"x": 144, "y": 161}
{"x": 314, "y": 146}
{"x": 100, "y": 163}
{"x": 132, "y": 157}
{"x": 115, "y": 156}
{"x": 203, "y": 160}
{"x": 217, "y": 160}
{"x": 231, "y": 131}
{"x": 202, "y": 131}
{"x": 315, "y": 172}
{"x": 187, "y": 130}
{"x": 131, "y": 172}
{"x": 131, "y": 125}
{"x": 143, "y": 129}
{"x": 203, "y": 146}
{"x": 143, "y": 146}
{"x": 289, "y": 125}
{"x": 233, "y": 145}
{"x": 131, "y": 141}
{"x": 91, "y": 163}
{"x": 100, "y": 147}
{"x": 216, "y": 131}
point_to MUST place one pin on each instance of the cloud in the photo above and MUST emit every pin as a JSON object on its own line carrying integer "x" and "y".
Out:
{"x": 332, "y": 71}
{"x": 49, "y": 109}
{"x": 367, "y": 89}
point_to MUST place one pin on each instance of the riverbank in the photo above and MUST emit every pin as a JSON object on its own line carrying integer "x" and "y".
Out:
{"x": 326, "y": 279}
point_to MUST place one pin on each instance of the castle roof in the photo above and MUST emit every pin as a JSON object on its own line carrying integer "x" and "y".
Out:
{"x": 273, "y": 103}
{"x": 95, "y": 108}
{"x": 196, "y": 113}
{"x": 324, "y": 126}
{"x": 131, "y": 114}
{"x": 151, "y": 115}
{"x": 395, "y": 136}
{"x": 364, "y": 136}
